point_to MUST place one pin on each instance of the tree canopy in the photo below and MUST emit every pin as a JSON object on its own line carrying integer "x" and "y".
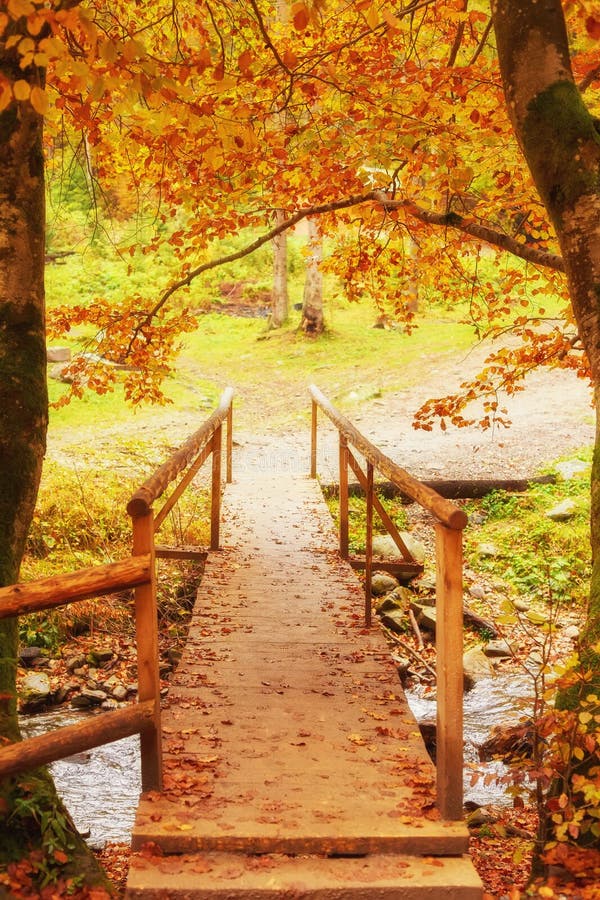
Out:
{"x": 387, "y": 121}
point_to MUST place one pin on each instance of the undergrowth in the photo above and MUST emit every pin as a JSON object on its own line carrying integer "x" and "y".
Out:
{"x": 531, "y": 554}
{"x": 80, "y": 521}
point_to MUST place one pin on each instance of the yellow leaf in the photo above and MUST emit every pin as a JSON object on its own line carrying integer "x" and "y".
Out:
{"x": 18, "y": 8}
{"x": 185, "y": 827}
{"x": 5, "y": 96}
{"x": 3, "y": 22}
{"x": 21, "y": 89}
{"x": 39, "y": 100}
{"x": 372, "y": 16}
{"x": 585, "y": 717}
{"x": 41, "y": 60}
{"x": 545, "y": 891}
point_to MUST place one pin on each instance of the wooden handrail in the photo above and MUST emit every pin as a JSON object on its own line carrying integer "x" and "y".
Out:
{"x": 444, "y": 510}
{"x": 141, "y": 502}
{"x": 137, "y": 571}
{"x": 62, "y": 742}
{"x": 449, "y": 589}
{"x": 58, "y": 590}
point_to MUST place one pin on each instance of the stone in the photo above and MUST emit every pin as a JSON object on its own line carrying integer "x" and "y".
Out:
{"x": 66, "y": 689}
{"x": 425, "y": 583}
{"x": 521, "y": 605}
{"x": 395, "y": 620}
{"x": 487, "y": 549}
{"x": 382, "y": 583}
{"x": 571, "y": 467}
{"x": 481, "y": 816}
{"x": 28, "y": 655}
{"x": 80, "y": 701}
{"x": 384, "y": 547}
{"x": 571, "y": 632}
{"x": 58, "y": 354}
{"x": 94, "y": 696}
{"x": 399, "y": 598}
{"x": 74, "y": 662}
{"x": 500, "y": 649}
{"x": 414, "y": 546}
{"x": 477, "y": 591}
{"x": 174, "y": 656}
{"x": 562, "y": 512}
{"x": 35, "y": 691}
{"x": 476, "y": 667}
{"x": 109, "y": 703}
{"x": 119, "y": 692}
{"x": 425, "y": 616}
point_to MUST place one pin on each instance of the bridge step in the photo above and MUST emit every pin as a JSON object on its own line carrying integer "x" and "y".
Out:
{"x": 229, "y": 876}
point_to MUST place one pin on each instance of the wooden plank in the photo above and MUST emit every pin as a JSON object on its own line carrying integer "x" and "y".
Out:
{"x": 229, "y": 465}
{"x": 401, "y": 569}
{"x": 215, "y": 497}
{"x": 449, "y": 667}
{"x": 381, "y": 511}
{"x": 343, "y": 501}
{"x": 313, "y": 439}
{"x": 162, "y": 552}
{"x": 146, "y": 638}
{"x": 369, "y": 545}
{"x": 444, "y": 510}
{"x": 93, "y": 732}
{"x": 57, "y": 590}
{"x": 153, "y": 487}
{"x": 162, "y": 514}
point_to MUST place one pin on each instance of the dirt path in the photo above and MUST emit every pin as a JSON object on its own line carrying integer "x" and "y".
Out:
{"x": 550, "y": 418}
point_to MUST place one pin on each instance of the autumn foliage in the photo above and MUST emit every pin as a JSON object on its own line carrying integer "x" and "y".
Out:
{"x": 387, "y": 121}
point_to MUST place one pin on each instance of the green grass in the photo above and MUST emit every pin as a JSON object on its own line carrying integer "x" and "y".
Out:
{"x": 538, "y": 558}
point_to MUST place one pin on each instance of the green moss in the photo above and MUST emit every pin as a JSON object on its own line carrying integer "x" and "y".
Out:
{"x": 557, "y": 127}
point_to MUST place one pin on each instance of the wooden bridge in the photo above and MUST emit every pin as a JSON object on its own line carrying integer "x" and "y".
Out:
{"x": 285, "y": 762}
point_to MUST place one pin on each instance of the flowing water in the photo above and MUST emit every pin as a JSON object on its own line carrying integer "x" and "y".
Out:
{"x": 493, "y": 701}
{"x": 100, "y": 787}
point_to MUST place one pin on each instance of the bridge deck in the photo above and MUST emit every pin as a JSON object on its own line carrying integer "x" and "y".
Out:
{"x": 286, "y": 730}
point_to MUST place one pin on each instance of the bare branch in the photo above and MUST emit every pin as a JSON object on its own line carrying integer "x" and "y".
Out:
{"x": 481, "y": 232}
{"x": 477, "y": 230}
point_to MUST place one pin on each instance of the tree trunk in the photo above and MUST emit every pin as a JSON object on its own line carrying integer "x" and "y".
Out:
{"x": 561, "y": 144}
{"x": 312, "y": 304}
{"x": 279, "y": 301}
{"x": 32, "y": 815}
{"x": 560, "y": 141}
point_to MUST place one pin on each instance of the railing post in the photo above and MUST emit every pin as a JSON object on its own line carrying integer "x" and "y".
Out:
{"x": 229, "y": 468}
{"x": 343, "y": 498}
{"x": 449, "y": 641}
{"x": 313, "y": 440}
{"x": 369, "y": 545}
{"x": 215, "y": 500}
{"x": 146, "y": 637}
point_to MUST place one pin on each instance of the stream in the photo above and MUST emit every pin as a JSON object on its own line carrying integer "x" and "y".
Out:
{"x": 101, "y": 787}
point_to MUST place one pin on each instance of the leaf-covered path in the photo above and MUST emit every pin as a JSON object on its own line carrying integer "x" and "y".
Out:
{"x": 286, "y": 730}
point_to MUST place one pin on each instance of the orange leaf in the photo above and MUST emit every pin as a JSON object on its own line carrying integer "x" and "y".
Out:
{"x": 21, "y": 89}
{"x": 300, "y": 15}
{"x": 39, "y": 100}
{"x": 592, "y": 26}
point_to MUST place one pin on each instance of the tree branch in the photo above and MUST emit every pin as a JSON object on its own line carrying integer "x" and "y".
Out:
{"x": 477, "y": 230}
{"x": 484, "y": 233}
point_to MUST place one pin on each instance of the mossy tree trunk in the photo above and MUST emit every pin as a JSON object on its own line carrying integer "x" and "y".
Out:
{"x": 561, "y": 144}
{"x": 23, "y": 395}
{"x": 31, "y": 815}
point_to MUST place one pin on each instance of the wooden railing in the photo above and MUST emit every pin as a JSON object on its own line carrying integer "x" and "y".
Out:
{"x": 138, "y": 572}
{"x": 449, "y": 525}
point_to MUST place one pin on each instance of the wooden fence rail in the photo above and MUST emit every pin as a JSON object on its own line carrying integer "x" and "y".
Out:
{"x": 137, "y": 572}
{"x": 450, "y": 522}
